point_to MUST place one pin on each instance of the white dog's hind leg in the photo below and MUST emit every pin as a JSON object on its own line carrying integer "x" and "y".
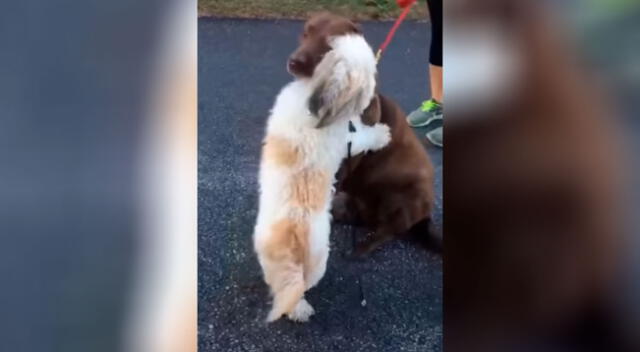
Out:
{"x": 301, "y": 312}
{"x": 316, "y": 272}
{"x": 316, "y": 261}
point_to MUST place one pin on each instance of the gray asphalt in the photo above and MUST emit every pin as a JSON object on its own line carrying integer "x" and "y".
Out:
{"x": 241, "y": 68}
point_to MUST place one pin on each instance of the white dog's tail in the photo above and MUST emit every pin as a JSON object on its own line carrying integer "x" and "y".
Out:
{"x": 288, "y": 290}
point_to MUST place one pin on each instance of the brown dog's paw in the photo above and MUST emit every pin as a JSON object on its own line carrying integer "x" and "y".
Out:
{"x": 364, "y": 249}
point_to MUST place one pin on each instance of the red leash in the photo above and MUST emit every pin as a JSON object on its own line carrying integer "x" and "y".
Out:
{"x": 406, "y": 5}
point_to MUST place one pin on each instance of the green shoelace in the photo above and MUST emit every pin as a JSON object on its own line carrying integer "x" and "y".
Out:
{"x": 429, "y": 105}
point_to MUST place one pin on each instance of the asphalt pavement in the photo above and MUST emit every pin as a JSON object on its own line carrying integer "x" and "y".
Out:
{"x": 241, "y": 68}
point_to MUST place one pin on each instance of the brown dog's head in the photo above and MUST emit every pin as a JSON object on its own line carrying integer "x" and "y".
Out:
{"x": 314, "y": 41}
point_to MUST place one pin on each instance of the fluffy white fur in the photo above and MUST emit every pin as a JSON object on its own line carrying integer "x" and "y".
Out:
{"x": 346, "y": 80}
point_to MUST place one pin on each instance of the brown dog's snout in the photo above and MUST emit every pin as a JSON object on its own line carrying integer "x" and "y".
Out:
{"x": 297, "y": 62}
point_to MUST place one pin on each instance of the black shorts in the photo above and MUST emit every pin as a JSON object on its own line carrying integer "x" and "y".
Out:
{"x": 435, "y": 13}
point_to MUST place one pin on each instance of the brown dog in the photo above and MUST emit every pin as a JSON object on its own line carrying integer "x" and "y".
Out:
{"x": 389, "y": 191}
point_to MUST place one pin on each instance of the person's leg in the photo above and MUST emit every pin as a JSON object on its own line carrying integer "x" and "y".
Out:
{"x": 435, "y": 74}
{"x": 435, "y": 65}
{"x": 431, "y": 109}
{"x": 435, "y": 50}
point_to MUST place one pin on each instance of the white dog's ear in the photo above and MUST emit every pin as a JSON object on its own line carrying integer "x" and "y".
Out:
{"x": 316, "y": 102}
{"x": 338, "y": 90}
{"x": 331, "y": 102}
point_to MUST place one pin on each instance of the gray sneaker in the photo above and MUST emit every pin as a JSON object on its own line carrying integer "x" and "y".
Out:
{"x": 435, "y": 137}
{"x": 429, "y": 111}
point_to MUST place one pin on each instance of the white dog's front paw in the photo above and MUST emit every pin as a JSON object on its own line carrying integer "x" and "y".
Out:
{"x": 383, "y": 136}
{"x": 301, "y": 312}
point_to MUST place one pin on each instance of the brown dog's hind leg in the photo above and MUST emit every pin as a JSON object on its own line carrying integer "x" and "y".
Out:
{"x": 380, "y": 237}
{"x": 395, "y": 223}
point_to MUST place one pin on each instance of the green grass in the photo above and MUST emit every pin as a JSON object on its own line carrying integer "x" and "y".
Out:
{"x": 355, "y": 9}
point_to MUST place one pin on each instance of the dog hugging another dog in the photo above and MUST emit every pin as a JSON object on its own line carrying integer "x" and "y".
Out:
{"x": 330, "y": 111}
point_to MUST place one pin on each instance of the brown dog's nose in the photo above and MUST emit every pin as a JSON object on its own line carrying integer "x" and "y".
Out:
{"x": 296, "y": 62}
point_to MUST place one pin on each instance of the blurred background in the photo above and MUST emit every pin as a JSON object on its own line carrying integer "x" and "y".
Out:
{"x": 300, "y": 9}
{"x": 541, "y": 245}
{"x": 98, "y": 175}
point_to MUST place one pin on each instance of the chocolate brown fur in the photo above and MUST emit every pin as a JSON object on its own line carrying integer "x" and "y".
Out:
{"x": 389, "y": 191}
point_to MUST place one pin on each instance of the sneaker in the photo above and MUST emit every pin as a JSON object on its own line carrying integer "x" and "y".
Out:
{"x": 435, "y": 137}
{"x": 429, "y": 111}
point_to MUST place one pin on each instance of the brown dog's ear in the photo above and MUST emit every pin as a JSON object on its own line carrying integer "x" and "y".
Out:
{"x": 372, "y": 114}
{"x": 356, "y": 28}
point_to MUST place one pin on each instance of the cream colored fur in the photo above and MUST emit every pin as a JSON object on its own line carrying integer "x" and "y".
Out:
{"x": 298, "y": 168}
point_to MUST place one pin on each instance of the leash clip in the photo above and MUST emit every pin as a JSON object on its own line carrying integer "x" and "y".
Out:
{"x": 352, "y": 127}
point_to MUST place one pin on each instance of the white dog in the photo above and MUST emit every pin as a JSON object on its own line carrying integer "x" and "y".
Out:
{"x": 301, "y": 154}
